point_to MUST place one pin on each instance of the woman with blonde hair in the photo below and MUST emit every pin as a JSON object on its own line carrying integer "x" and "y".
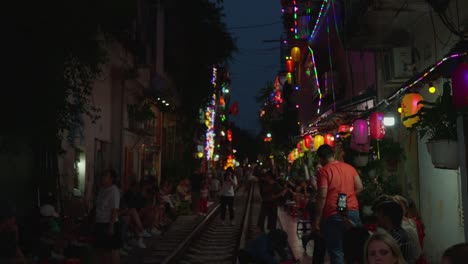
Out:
{"x": 382, "y": 248}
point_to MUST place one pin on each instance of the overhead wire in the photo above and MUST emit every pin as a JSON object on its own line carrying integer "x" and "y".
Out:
{"x": 255, "y": 26}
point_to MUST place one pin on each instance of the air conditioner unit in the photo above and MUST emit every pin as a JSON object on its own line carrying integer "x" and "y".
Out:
{"x": 398, "y": 64}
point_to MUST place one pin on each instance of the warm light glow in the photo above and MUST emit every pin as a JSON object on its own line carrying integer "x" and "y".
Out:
{"x": 399, "y": 110}
{"x": 200, "y": 155}
{"x": 432, "y": 89}
{"x": 389, "y": 121}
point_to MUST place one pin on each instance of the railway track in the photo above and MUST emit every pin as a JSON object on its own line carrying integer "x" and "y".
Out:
{"x": 207, "y": 240}
{"x": 217, "y": 242}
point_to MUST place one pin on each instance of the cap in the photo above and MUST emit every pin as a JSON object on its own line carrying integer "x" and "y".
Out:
{"x": 48, "y": 210}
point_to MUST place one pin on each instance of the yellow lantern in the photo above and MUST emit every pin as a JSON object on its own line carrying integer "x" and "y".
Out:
{"x": 295, "y": 154}
{"x": 409, "y": 107}
{"x": 296, "y": 54}
{"x": 289, "y": 77}
{"x": 319, "y": 140}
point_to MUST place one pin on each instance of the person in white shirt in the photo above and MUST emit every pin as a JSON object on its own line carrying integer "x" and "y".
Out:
{"x": 227, "y": 195}
{"x": 108, "y": 235}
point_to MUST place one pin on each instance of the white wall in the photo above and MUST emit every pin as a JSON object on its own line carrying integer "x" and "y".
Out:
{"x": 440, "y": 202}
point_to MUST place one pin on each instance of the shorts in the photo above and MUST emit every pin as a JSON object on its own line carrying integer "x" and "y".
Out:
{"x": 106, "y": 241}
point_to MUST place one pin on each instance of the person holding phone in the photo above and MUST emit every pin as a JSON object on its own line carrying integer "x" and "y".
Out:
{"x": 336, "y": 202}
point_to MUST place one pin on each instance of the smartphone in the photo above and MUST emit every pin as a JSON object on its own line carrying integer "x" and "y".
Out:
{"x": 341, "y": 203}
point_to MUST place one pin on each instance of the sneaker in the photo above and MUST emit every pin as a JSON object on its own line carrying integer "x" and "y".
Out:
{"x": 155, "y": 231}
{"x": 139, "y": 243}
{"x": 146, "y": 234}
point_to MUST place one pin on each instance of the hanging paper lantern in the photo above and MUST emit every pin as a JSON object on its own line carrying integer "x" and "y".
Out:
{"x": 409, "y": 107}
{"x": 308, "y": 141}
{"x": 295, "y": 154}
{"x": 298, "y": 147}
{"x": 360, "y": 131}
{"x": 289, "y": 65}
{"x": 296, "y": 54}
{"x": 318, "y": 141}
{"x": 343, "y": 129}
{"x": 377, "y": 127}
{"x": 460, "y": 86}
{"x": 229, "y": 135}
{"x": 289, "y": 77}
{"x": 329, "y": 140}
{"x": 303, "y": 147}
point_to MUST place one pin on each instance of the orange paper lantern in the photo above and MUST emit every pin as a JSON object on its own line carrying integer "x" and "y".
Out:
{"x": 318, "y": 141}
{"x": 296, "y": 54}
{"x": 410, "y": 106}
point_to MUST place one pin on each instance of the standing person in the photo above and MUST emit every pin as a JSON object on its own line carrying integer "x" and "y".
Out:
{"x": 203, "y": 204}
{"x": 336, "y": 180}
{"x": 227, "y": 195}
{"x": 381, "y": 248}
{"x": 271, "y": 191}
{"x": 214, "y": 188}
{"x": 196, "y": 184}
{"x": 108, "y": 237}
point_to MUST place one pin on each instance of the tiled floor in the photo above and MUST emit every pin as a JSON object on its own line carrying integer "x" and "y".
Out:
{"x": 289, "y": 224}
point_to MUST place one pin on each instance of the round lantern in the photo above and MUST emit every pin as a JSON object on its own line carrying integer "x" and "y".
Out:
{"x": 289, "y": 65}
{"x": 377, "y": 127}
{"x": 460, "y": 86}
{"x": 409, "y": 107}
{"x": 295, "y": 154}
{"x": 360, "y": 131}
{"x": 299, "y": 148}
{"x": 289, "y": 77}
{"x": 296, "y": 54}
{"x": 329, "y": 140}
{"x": 343, "y": 129}
{"x": 318, "y": 141}
{"x": 308, "y": 141}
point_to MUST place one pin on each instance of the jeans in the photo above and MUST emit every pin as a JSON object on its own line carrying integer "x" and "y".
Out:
{"x": 334, "y": 229}
{"x": 227, "y": 201}
{"x": 269, "y": 210}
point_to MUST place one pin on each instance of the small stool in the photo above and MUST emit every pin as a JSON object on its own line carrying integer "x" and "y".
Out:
{"x": 303, "y": 225}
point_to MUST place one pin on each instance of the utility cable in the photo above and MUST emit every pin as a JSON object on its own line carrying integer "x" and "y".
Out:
{"x": 255, "y": 26}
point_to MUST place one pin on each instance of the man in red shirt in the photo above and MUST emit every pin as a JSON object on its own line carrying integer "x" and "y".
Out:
{"x": 336, "y": 180}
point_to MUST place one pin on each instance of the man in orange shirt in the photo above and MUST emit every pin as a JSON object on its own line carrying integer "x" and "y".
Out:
{"x": 336, "y": 203}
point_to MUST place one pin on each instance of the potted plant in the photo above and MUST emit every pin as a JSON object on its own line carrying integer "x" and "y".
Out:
{"x": 438, "y": 121}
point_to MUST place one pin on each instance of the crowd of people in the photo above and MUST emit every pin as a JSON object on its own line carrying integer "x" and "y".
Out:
{"x": 329, "y": 201}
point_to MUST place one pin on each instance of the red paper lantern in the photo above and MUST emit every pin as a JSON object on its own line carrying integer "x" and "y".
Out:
{"x": 344, "y": 129}
{"x": 308, "y": 141}
{"x": 460, "y": 86}
{"x": 330, "y": 140}
{"x": 377, "y": 128}
{"x": 299, "y": 148}
{"x": 360, "y": 131}
{"x": 290, "y": 65}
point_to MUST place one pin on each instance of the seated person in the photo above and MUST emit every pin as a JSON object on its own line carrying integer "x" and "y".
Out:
{"x": 265, "y": 248}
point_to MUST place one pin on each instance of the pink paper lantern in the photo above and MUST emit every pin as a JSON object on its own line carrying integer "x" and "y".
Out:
{"x": 360, "y": 131}
{"x": 460, "y": 86}
{"x": 377, "y": 128}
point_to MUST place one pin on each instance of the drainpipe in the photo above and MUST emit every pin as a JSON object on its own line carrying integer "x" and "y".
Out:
{"x": 462, "y": 125}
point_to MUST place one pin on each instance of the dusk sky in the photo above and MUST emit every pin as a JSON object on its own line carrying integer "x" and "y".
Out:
{"x": 256, "y": 62}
